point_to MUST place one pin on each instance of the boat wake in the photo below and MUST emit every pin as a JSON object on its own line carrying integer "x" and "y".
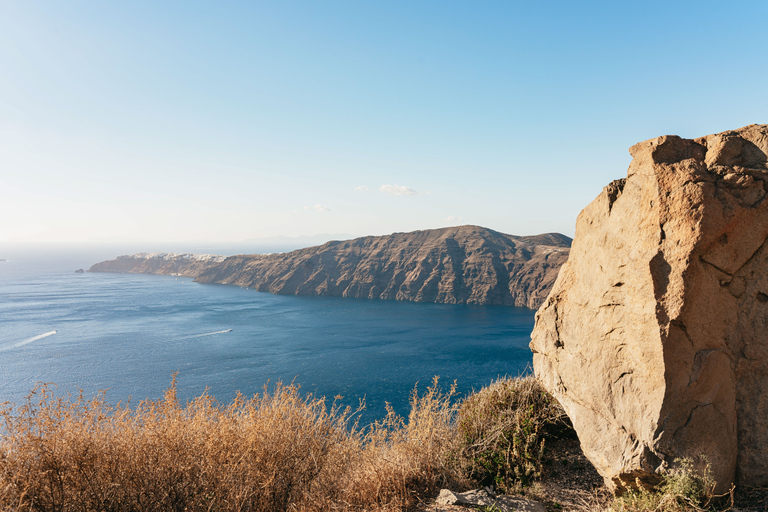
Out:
{"x": 207, "y": 334}
{"x": 28, "y": 341}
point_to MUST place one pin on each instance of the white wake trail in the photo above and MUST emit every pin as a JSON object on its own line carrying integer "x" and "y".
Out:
{"x": 207, "y": 334}
{"x": 28, "y": 341}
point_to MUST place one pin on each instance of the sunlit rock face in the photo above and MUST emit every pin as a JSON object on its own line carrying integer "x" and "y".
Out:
{"x": 457, "y": 265}
{"x": 655, "y": 335}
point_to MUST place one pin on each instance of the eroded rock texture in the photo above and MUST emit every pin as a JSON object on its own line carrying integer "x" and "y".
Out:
{"x": 655, "y": 335}
{"x": 461, "y": 265}
{"x": 457, "y": 265}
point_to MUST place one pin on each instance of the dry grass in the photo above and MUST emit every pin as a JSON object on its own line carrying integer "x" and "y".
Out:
{"x": 283, "y": 451}
{"x": 277, "y": 451}
{"x": 503, "y": 431}
{"x": 682, "y": 490}
{"x": 403, "y": 462}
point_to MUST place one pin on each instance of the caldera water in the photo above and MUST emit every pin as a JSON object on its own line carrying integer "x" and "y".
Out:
{"x": 128, "y": 334}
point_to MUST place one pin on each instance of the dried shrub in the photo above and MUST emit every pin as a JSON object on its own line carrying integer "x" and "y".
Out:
{"x": 258, "y": 454}
{"x": 274, "y": 452}
{"x": 681, "y": 490}
{"x": 503, "y": 429}
{"x": 404, "y": 462}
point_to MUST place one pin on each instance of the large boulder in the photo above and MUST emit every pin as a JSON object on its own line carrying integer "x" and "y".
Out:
{"x": 655, "y": 335}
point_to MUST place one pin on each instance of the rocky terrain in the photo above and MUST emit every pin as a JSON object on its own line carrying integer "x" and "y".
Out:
{"x": 458, "y": 265}
{"x": 665, "y": 300}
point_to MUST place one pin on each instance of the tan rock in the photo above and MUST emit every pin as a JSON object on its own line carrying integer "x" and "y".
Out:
{"x": 654, "y": 337}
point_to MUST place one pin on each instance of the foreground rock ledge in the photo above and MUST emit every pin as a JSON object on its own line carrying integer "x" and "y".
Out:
{"x": 655, "y": 335}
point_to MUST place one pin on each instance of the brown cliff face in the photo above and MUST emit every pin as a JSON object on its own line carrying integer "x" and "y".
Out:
{"x": 460, "y": 265}
{"x": 665, "y": 301}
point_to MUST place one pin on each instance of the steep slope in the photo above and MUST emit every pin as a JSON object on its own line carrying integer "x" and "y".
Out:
{"x": 459, "y": 265}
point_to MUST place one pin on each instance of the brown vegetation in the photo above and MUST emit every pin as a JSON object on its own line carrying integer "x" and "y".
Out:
{"x": 282, "y": 451}
{"x": 503, "y": 430}
{"x": 277, "y": 451}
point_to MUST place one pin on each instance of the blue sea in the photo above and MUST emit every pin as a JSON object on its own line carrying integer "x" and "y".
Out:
{"x": 129, "y": 333}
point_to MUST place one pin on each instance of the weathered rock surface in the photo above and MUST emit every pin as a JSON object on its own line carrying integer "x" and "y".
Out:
{"x": 655, "y": 335}
{"x": 459, "y": 265}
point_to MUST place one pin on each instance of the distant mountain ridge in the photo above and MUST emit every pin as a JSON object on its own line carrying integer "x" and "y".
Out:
{"x": 456, "y": 265}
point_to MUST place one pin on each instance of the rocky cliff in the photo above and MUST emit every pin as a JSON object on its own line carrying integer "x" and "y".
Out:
{"x": 665, "y": 300}
{"x": 459, "y": 265}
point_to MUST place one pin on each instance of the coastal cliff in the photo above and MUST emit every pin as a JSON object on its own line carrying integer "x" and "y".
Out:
{"x": 457, "y": 265}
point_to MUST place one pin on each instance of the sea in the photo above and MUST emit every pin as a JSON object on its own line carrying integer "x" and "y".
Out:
{"x": 127, "y": 334}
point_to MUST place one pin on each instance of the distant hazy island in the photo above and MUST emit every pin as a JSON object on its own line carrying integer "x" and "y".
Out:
{"x": 457, "y": 265}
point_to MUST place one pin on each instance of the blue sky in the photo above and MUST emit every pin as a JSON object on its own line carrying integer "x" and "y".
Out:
{"x": 165, "y": 122}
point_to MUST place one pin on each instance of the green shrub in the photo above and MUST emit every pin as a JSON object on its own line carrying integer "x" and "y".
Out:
{"x": 503, "y": 429}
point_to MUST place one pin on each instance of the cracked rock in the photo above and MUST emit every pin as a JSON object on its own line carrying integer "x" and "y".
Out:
{"x": 673, "y": 363}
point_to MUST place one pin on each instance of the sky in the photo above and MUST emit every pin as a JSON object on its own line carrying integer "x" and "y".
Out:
{"x": 167, "y": 122}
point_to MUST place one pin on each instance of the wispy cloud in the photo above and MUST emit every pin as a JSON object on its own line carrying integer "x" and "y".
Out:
{"x": 362, "y": 188}
{"x": 454, "y": 219}
{"x": 318, "y": 208}
{"x": 397, "y": 190}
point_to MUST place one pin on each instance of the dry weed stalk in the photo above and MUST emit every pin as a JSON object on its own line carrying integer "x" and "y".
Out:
{"x": 401, "y": 461}
{"x": 277, "y": 451}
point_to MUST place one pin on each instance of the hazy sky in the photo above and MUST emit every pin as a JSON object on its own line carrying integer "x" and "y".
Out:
{"x": 159, "y": 122}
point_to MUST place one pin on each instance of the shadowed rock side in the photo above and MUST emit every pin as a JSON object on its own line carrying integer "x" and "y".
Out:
{"x": 460, "y": 265}
{"x": 665, "y": 301}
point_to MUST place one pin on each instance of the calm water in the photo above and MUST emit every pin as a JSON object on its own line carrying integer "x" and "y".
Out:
{"x": 128, "y": 333}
